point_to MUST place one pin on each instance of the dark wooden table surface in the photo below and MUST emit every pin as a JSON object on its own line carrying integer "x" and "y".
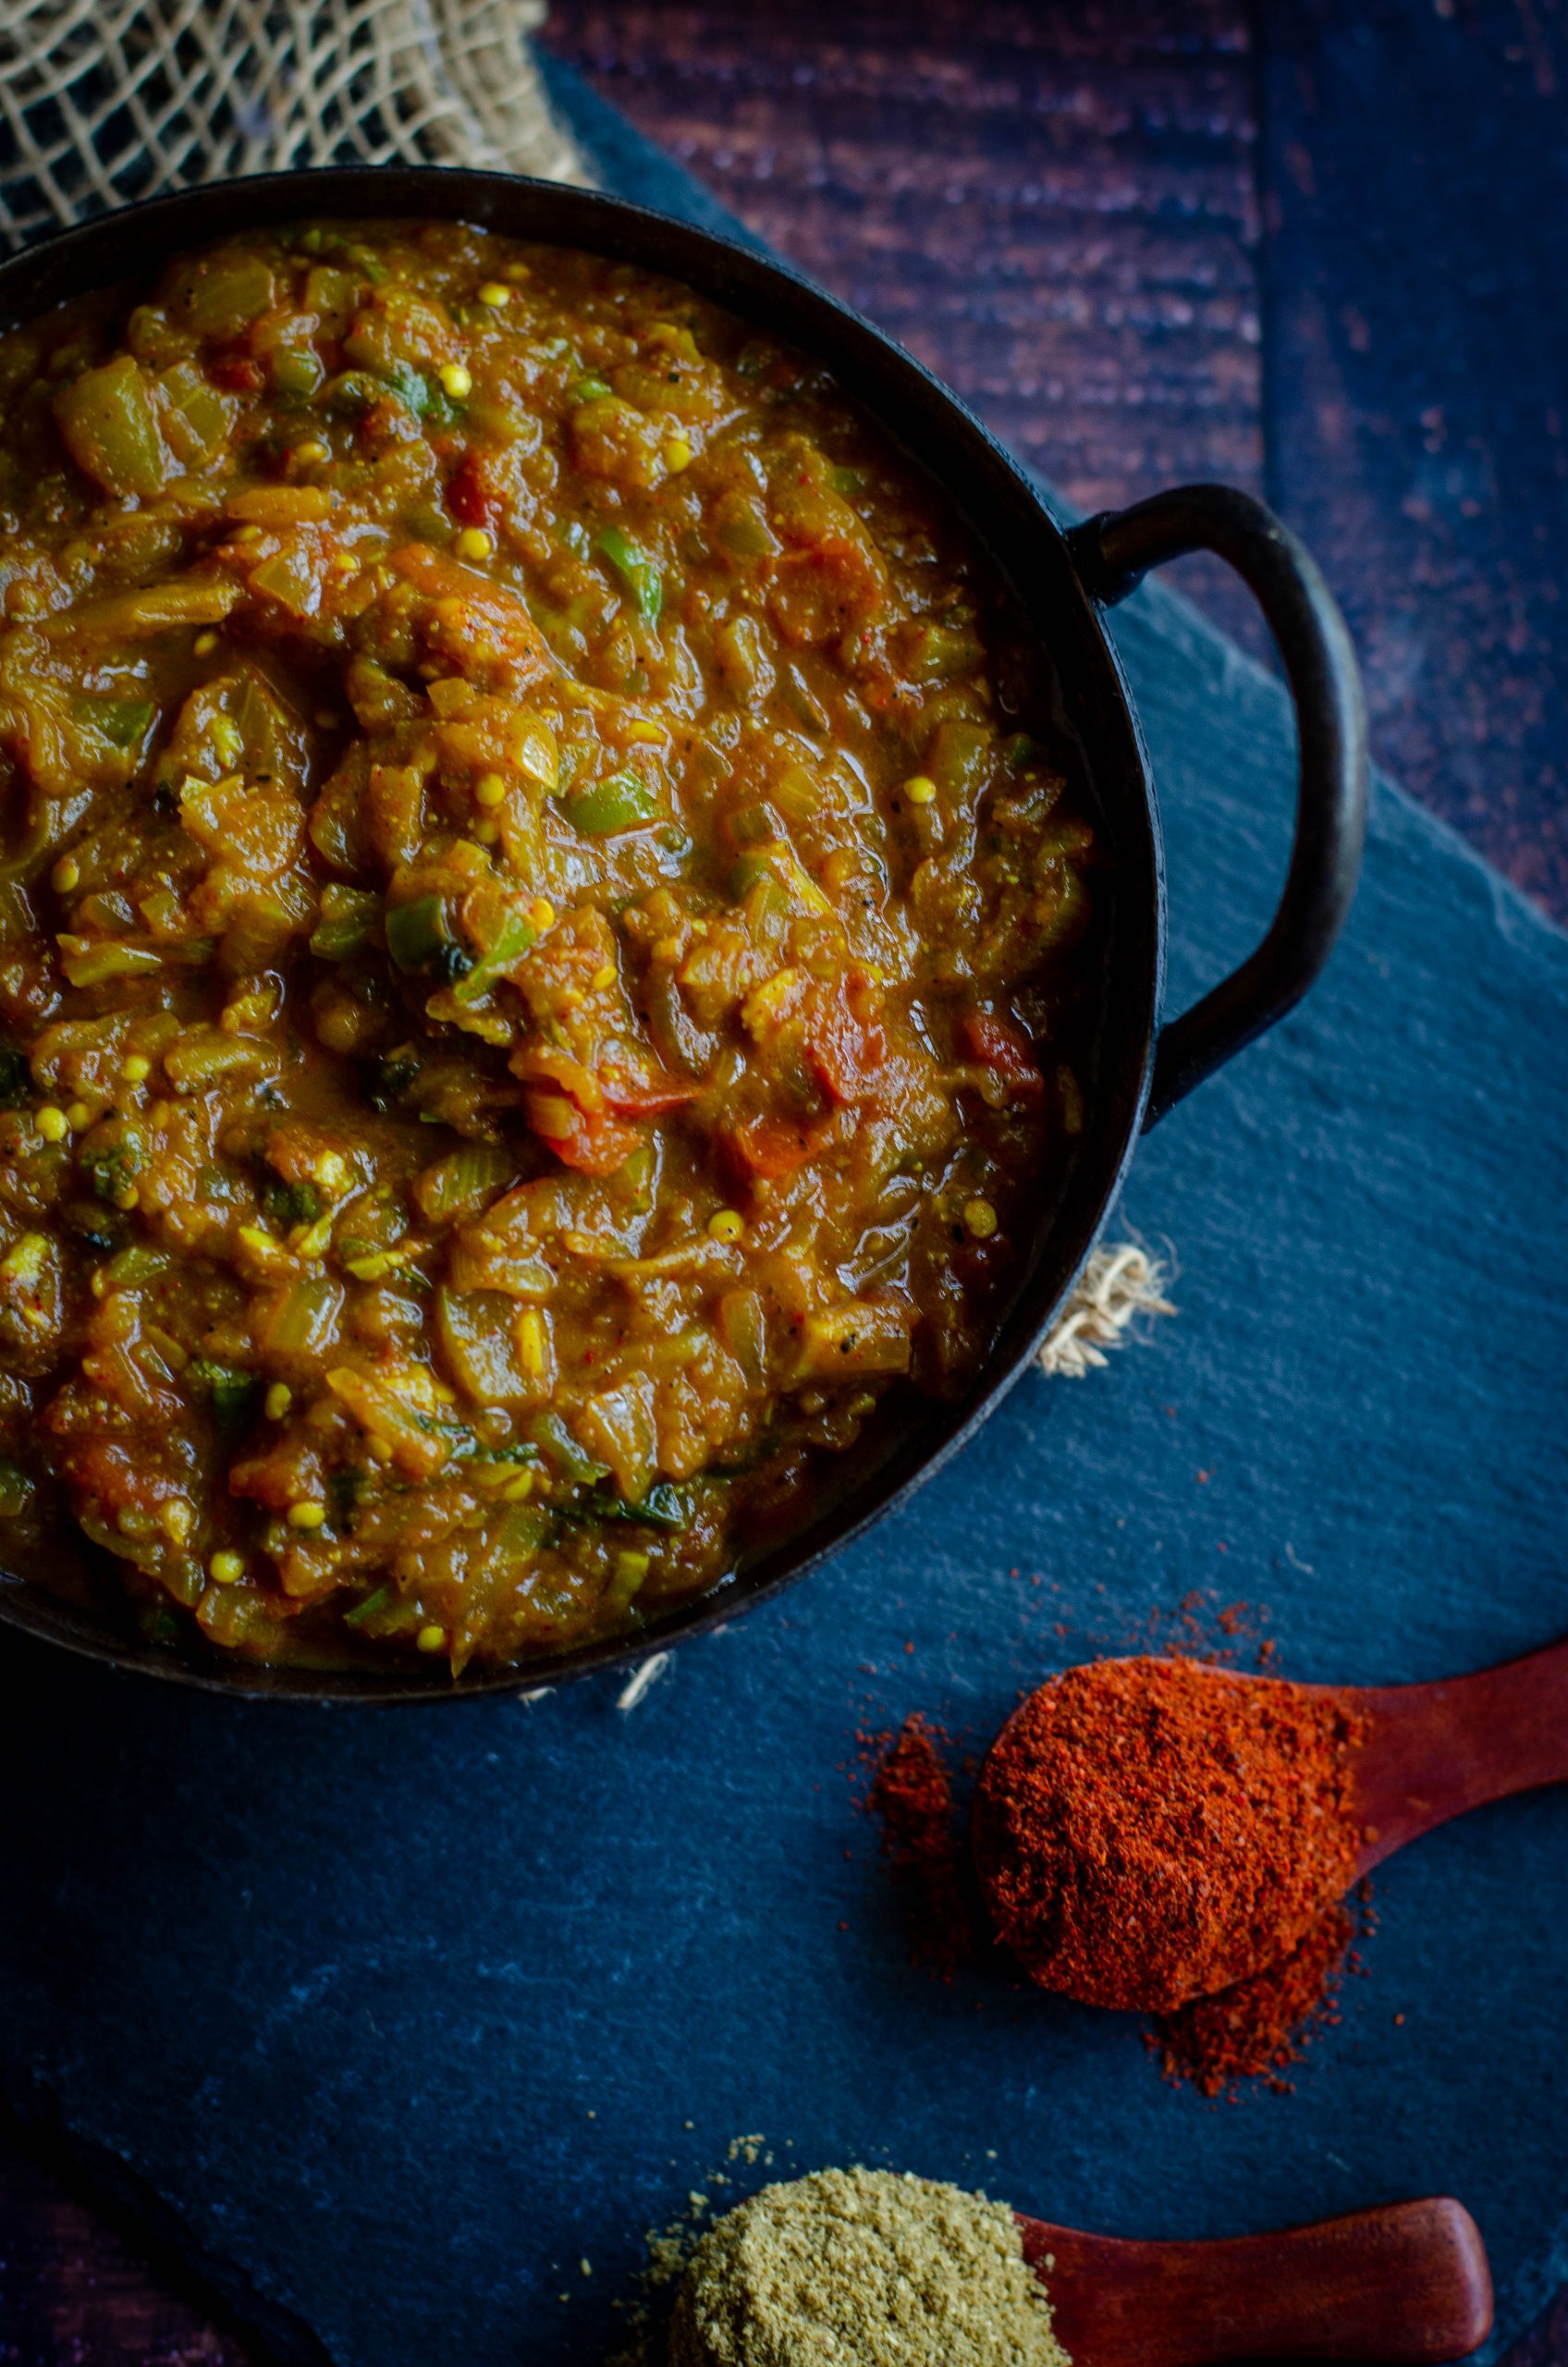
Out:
{"x": 1313, "y": 247}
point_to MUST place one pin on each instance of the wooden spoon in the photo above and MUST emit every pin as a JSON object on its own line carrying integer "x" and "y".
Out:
{"x": 1430, "y": 1751}
{"x": 1408, "y": 2282}
{"x": 1434, "y": 1750}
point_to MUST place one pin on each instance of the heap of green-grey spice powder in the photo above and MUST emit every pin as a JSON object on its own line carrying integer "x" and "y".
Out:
{"x": 862, "y": 2268}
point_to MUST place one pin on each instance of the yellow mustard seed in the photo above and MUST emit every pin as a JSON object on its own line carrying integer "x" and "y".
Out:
{"x": 494, "y": 295}
{"x": 921, "y": 789}
{"x": 487, "y": 833}
{"x": 490, "y": 789}
{"x": 677, "y": 454}
{"x": 278, "y": 1399}
{"x": 78, "y": 1115}
{"x": 725, "y": 1224}
{"x": 432, "y": 1638}
{"x": 474, "y": 541}
{"x": 981, "y": 1219}
{"x": 177, "y": 1518}
{"x": 541, "y": 912}
{"x": 66, "y": 874}
{"x": 129, "y": 1198}
{"x": 306, "y": 1515}
{"x": 205, "y": 643}
{"x": 226, "y": 1568}
{"x": 137, "y": 1070}
{"x": 52, "y": 1123}
{"x": 455, "y": 380}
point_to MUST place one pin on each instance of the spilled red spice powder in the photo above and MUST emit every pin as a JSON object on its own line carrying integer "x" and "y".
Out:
{"x": 912, "y": 1796}
{"x": 1259, "y": 2028}
{"x": 1146, "y": 1830}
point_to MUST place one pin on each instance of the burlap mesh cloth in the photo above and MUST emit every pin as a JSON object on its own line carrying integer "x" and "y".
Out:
{"x": 105, "y": 100}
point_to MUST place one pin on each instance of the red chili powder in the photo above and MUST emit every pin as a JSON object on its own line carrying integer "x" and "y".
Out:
{"x": 1256, "y": 2029}
{"x": 911, "y": 1795}
{"x": 1149, "y": 1831}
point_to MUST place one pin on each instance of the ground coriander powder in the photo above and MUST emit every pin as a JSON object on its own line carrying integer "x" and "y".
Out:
{"x": 862, "y": 2268}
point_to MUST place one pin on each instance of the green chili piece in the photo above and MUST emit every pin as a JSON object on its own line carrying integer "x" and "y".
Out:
{"x": 129, "y": 1268}
{"x": 637, "y": 570}
{"x": 298, "y": 371}
{"x": 16, "y": 1079}
{"x": 746, "y": 872}
{"x": 513, "y": 938}
{"x": 417, "y": 934}
{"x": 347, "y": 917}
{"x": 231, "y": 1390}
{"x": 664, "y": 1506}
{"x": 410, "y": 387}
{"x": 619, "y": 801}
{"x": 124, "y": 723}
{"x": 589, "y": 390}
{"x": 15, "y": 1490}
{"x": 292, "y": 1204}
{"x": 756, "y": 825}
{"x": 549, "y": 1432}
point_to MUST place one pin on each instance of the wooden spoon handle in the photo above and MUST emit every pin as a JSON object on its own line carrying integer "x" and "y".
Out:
{"x": 1408, "y": 2282}
{"x": 1436, "y": 1750}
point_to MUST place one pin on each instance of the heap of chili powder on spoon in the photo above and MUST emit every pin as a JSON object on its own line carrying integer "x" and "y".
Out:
{"x": 1150, "y": 1831}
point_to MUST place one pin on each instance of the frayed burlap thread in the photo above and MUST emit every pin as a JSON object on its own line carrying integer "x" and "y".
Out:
{"x": 1115, "y": 1289}
{"x": 105, "y": 101}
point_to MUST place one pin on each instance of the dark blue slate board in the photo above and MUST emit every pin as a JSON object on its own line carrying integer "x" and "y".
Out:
{"x": 405, "y": 2014}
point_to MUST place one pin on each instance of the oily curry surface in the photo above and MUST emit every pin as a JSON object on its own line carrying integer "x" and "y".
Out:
{"x": 535, "y": 959}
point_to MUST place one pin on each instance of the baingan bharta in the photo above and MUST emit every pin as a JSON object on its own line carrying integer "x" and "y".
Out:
{"x": 541, "y": 942}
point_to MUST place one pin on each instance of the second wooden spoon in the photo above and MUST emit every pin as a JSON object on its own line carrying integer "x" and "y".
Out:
{"x": 1407, "y": 2284}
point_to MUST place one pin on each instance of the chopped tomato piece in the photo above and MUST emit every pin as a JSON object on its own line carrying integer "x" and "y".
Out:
{"x": 774, "y": 1146}
{"x": 650, "y": 1097}
{"x": 845, "y": 1044}
{"x": 468, "y": 497}
{"x": 593, "y": 1142}
{"x": 239, "y": 372}
{"x": 477, "y": 625}
{"x": 1002, "y": 1045}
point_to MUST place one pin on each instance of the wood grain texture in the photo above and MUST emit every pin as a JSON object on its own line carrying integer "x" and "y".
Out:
{"x": 74, "y": 2293}
{"x": 1312, "y": 248}
{"x": 1414, "y": 170}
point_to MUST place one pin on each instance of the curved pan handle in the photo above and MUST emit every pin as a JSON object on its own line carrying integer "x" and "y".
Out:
{"x": 1113, "y": 552}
